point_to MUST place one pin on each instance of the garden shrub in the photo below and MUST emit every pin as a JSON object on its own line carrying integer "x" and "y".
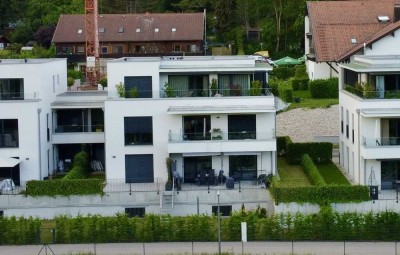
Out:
{"x": 75, "y": 74}
{"x": 320, "y": 153}
{"x": 283, "y": 73}
{"x": 64, "y": 187}
{"x": 273, "y": 84}
{"x": 285, "y": 91}
{"x": 300, "y": 71}
{"x": 80, "y": 167}
{"x": 299, "y": 83}
{"x": 328, "y": 88}
{"x": 282, "y": 143}
{"x": 312, "y": 171}
{"x": 255, "y": 88}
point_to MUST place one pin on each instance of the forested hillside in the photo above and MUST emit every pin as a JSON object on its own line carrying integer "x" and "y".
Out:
{"x": 281, "y": 22}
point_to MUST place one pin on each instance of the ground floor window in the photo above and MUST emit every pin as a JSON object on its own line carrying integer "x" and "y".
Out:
{"x": 390, "y": 172}
{"x": 193, "y": 166}
{"x": 225, "y": 210}
{"x": 135, "y": 212}
{"x": 11, "y": 173}
{"x": 139, "y": 168}
{"x": 243, "y": 167}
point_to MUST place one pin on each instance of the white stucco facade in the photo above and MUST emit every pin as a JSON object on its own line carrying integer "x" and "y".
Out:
{"x": 42, "y": 80}
{"x": 369, "y": 149}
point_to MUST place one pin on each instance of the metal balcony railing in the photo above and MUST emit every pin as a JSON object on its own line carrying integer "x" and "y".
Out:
{"x": 221, "y": 136}
{"x": 78, "y": 128}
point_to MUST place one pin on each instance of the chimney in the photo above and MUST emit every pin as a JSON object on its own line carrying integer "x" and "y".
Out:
{"x": 396, "y": 16}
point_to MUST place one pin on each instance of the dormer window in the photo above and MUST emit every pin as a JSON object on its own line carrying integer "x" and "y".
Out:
{"x": 383, "y": 18}
{"x": 173, "y": 29}
{"x": 121, "y": 30}
{"x": 156, "y": 29}
{"x": 79, "y": 31}
{"x": 102, "y": 30}
{"x": 137, "y": 30}
{"x": 353, "y": 40}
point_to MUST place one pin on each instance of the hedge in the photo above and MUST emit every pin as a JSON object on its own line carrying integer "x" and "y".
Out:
{"x": 299, "y": 83}
{"x": 80, "y": 167}
{"x": 62, "y": 187}
{"x": 320, "y": 194}
{"x": 312, "y": 171}
{"x": 328, "y": 88}
{"x": 283, "y": 73}
{"x": 285, "y": 91}
{"x": 320, "y": 153}
{"x": 325, "y": 225}
{"x": 281, "y": 144}
{"x": 273, "y": 84}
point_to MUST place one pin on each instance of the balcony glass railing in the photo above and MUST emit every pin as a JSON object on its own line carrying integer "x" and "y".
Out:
{"x": 231, "y": 136}
{"x": 381, "y": 141}
{"x": 78, "y": 128}
{"x": 18, "y": 96}
{"x": 373, "y": 94}
{"x": 9, "y": 140}
{"x": 234, "y": 91}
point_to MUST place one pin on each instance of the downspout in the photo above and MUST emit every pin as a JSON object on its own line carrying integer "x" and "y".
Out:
{"x": 359, "y": 157}
{"x": 39, "y": 143}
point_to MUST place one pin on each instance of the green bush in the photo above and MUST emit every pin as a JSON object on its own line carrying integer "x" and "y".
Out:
{"x": 80, "y": 167}
{"x": 63, "y": 187}
{"x": 255, "y": 88}
{"x": 103, "y": 81}
{"x": 75, "y": 74}
{"x": 285, "y": 91}
{"x": 312, "y": 171}
{"x": 300, "y": 71}
{"x": 283, "y": 73}
{"x": 273, "y": 84}
{"x": 320, "y": 153}
{"x": 299, "y": 83}
{"x": 320, "y": 194}
{"x": 328, "y": 88}
{"x": 282, "y": 143}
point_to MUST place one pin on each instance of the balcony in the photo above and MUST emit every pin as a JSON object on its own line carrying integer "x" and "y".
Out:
{"x": 380, "y": 148}
{"x": 373, "y": 94}
{"x": 4, "y": 96}
{"x": 222, "y": 142}
{"x": 69, "y": 134}
{"x": 233, "y": 91}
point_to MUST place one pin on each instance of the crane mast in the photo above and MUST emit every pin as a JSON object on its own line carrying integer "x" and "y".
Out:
{"x": 92, "y": 42}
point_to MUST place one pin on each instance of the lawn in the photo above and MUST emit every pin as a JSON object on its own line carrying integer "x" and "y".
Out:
{"x": 292, "y": 175}
{"x": 332, "y": 175}
{"x": 307, "y": 102}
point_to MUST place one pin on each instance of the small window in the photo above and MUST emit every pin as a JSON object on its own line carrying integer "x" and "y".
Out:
{"x": 1, "y": 213}
{"x": 353, "y": 40}
{"x": 80, "y": 31}
{"x": 137, "y": 30}
{"x": 225, "y": 210}
{"x": 80, "y": 49}
{"x": 102, "y": 30}
{"x": 177, "y": 48}
{"x": 118, "y": 49}
{"x": 173, "y": 29}
{"x": 104, "y": 49}
{"x": 135, "y": 212}
{"x": 156, "y": 29}
{"x": 121, "y": 30}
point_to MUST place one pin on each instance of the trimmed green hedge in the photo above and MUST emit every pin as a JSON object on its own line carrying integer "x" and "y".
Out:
{"x": 328, "y": 88}
{"x": 320, "y": 153}
{"x": 299, "y": 83}
{"x": 312, "y": 171}
{"x": 283, "y": 73}
{"x": 320, "y": 194}
{"x": 285, "y": 91}
{"x": 64, "y": 187}
{"x": 282, "y": 143}
{"x": 80, "y": 169}
{"x": 273, "y": 84}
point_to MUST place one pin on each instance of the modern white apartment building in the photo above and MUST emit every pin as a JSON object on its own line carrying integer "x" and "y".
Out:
{"x": 370, "y": 119}
{"x": 205, "y": 119}
{"x": 27, "y": 89}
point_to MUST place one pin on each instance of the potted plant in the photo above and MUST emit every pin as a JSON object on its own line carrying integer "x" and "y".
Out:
{"x": 103, "y": 82}
{"x": 255, "y": 88}
{"x": 70, "y": 82}
{"x": 168, "y": 184}
{"x": 214, "y": 87}
{"x": 120, "y": 89}
{"x": 216, "y": 134}
{"x": 133, "y": 92}
{"x": 169, "y": 90}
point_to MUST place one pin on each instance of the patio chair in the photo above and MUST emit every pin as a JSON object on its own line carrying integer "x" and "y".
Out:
{"x": 201, "y": 178}
{"x": 260, "y": 179}
{"x": 221, "y": 177}
{"x": 212, "y": 179}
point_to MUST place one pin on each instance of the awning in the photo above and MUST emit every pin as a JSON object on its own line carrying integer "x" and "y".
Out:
{"x": 201, "y": 154}
{"x": 384, "y": 112}
{"x": 8, "y": 162}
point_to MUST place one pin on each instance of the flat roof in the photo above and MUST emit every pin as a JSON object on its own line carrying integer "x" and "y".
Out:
{"x": 380, "y": 112}
{"x": 378, "y": 63}
{"x": 220, "y": 109}
{"x": 30, "y": 60}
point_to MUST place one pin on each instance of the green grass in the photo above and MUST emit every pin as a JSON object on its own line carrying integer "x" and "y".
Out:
{"x": 292, "y": 175}
{"x": 307, "y": 102}
{"x": 332, "y": 175}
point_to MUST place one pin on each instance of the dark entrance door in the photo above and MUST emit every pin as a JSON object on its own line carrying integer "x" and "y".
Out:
{"x": 11, "y": 173}
{"x": 243, "y": 167}
{"x": 193, "y": 165}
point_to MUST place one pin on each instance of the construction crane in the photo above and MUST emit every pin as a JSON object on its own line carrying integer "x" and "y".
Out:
{"x": 92, "y": 42}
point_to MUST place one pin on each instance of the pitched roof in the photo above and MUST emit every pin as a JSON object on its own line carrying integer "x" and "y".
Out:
{"x": 335, "y": 23}
{"x": 133, "y": 27}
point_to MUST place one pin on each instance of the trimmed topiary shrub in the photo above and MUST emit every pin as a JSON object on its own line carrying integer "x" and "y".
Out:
{"x": 320, "y": 153}
{"x": 282, "y": 143}
{"x": 273, "y": 84}
{"x": 80, "y": 168}
{"x": 283, "y": 73}
{"x": 328, "y": 88}
{"x": 312, "y": 171}
{"x": 299, "y": 83}
{"x": 285, "y": 91}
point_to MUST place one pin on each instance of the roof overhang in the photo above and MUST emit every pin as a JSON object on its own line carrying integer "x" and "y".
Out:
{"x": 8, "y": 162}
{"x": 76, "y": 105}
{"x": 220, "y": 109}
{"x": 384, "y": 112}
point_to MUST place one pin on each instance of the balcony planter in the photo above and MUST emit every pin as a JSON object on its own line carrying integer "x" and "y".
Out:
{"x": 216, "y": 134}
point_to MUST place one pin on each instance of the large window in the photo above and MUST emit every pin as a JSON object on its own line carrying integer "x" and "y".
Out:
{"x": 233, "y": 84}
{"x": 241, "y": 127}
{"x": 138, "y": 87}
{"x": 189, "y": 85}
{"x": 197, "y": 127}
{"x": 243, "y": 167}
{"x": 138, "y": 130}
{"x": 11, "y": 89}
{"x": 9, "y": 133}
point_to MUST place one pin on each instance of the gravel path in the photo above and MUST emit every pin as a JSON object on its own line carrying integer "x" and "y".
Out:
{"x": 303, "y": 125}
